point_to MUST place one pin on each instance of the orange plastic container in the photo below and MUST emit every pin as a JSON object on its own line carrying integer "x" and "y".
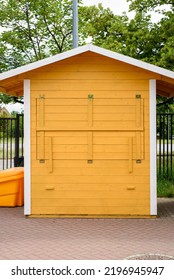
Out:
{"x": 12, "y": 187}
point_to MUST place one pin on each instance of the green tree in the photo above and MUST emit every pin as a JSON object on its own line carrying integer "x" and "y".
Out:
{"x": 35, "y": 29}
{"x": 149, "y": 5}
{"x": 103, "y": 27}
{"x": 140, "y": 37}
{"x": 5, "y": 99}
{"x": 136, "y": 38}
{"x": 163, "y": 31}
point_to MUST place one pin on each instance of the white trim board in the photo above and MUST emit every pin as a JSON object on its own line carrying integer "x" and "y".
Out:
{"x": 153, "y": 179}
{"x": 79, "y": 50}
{"x": 27, "y": 154}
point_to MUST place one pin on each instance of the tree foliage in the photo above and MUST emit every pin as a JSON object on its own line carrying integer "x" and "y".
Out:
{"x": 163, "y": 31}
{"x": 5, "y": 99}
{"x": 35, "y": 29}
{"x": 148, "y": 5}
{"x": 139, "y": 37}
{"x": 105, "y": 29}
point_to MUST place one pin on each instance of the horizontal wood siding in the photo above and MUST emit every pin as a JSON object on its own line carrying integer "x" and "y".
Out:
{"x": 90, "y": 138}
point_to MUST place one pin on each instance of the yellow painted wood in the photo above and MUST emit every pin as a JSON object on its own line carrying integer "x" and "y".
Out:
{"x": 90, "y": 195}
{"x": 49, "y": 188}
{"x": 142, "y": 136}
{"x": 89, "y": 85}
{"x": 75, "y": 211}
{"x": 130, "y": 155}
{"x": 64, "y": 102}
{"x": 41, "y": 121}
{"x": 101, "y": 126}
{"x": 90, "y": 145}
{"x": 138, "y": 112}
{"x": 90, "y": 111}
{"x": 92, "y": 216}
{"x": 90, "y": 191}
{"x": 60, "y": 110}
{"x": 102, "y": 137}
{"x": 131, "y": 188}
{"x": 110, "y": 101}
{"x": 90, "y": 202}
{"x": 76, "y": 167}
{"x": 41, "y": 111}
{"x": 134, "y": 75}
{"x": 138, "y": 145}
{"x": 50, "y": 155}
{"x": 116, "y": 110}
{"x": 111, "y": 130}
{"x": 91, "y": 171}
{"x": 66, "y": 117}
{"x": 90, "y": 179}
{"x": 41, "y": 145}
{"x": 96, "y": 156}
{"x": 104, "y": 94}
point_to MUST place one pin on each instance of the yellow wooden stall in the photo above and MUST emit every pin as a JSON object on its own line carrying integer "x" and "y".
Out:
{"x": 90, "y": 132}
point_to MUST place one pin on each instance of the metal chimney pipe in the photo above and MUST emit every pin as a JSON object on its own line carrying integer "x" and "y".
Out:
{"x": 75, "y": 23}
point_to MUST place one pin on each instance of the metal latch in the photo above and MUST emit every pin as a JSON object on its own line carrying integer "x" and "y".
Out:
{"x": 90, "y": 96}
{"x": 42, "y": 96}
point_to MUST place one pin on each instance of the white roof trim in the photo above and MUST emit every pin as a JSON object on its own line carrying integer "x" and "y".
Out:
{"x": 79, "y": 50}
{"x": 133, "y": 61}
{"x": 43, "y": 62}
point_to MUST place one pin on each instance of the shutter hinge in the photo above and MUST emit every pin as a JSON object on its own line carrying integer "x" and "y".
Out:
{"x": 90, "y": 96}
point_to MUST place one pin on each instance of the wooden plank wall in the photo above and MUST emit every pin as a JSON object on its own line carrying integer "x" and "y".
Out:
{"x": 90, "y": 138}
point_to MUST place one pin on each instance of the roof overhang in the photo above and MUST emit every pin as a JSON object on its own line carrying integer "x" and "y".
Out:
{"x": 11, "y": 83}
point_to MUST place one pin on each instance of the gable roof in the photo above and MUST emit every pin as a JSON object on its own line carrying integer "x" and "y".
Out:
{"x": 79, "y": 50}
{"x": 47, "y": 61}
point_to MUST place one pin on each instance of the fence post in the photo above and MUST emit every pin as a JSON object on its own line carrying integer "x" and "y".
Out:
{"x": 16, "y": 158}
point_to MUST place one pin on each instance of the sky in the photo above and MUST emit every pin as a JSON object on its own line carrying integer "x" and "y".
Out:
{"x": 117, "y": 6}
{"x": 120, "y": 6}
{"x": 14, "y": 107}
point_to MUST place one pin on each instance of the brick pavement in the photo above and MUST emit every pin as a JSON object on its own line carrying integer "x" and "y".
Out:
{"x": 22, "y": 238}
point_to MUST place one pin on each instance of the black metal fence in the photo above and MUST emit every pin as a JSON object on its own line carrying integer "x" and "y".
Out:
{"x": 165, "y": 145}
{"x": 11, "y": 142}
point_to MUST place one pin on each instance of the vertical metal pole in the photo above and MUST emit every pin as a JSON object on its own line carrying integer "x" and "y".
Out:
{"x": 7, "y": 144}
{"x": 160, "y": 138}
{"x": 16, "y": 159}
{"x": 164, "y": 150}
{"x": 11, "y": 142}
{"x": 3, "y": 133}
{"x": 22, "y": 136}
{"x": 171, "y": 144}
{"x": 75, "y": 23}
{"x": 167, "y": 162}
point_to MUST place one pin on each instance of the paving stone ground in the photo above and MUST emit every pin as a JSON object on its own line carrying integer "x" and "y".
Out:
{"x": 23, "y": 238}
